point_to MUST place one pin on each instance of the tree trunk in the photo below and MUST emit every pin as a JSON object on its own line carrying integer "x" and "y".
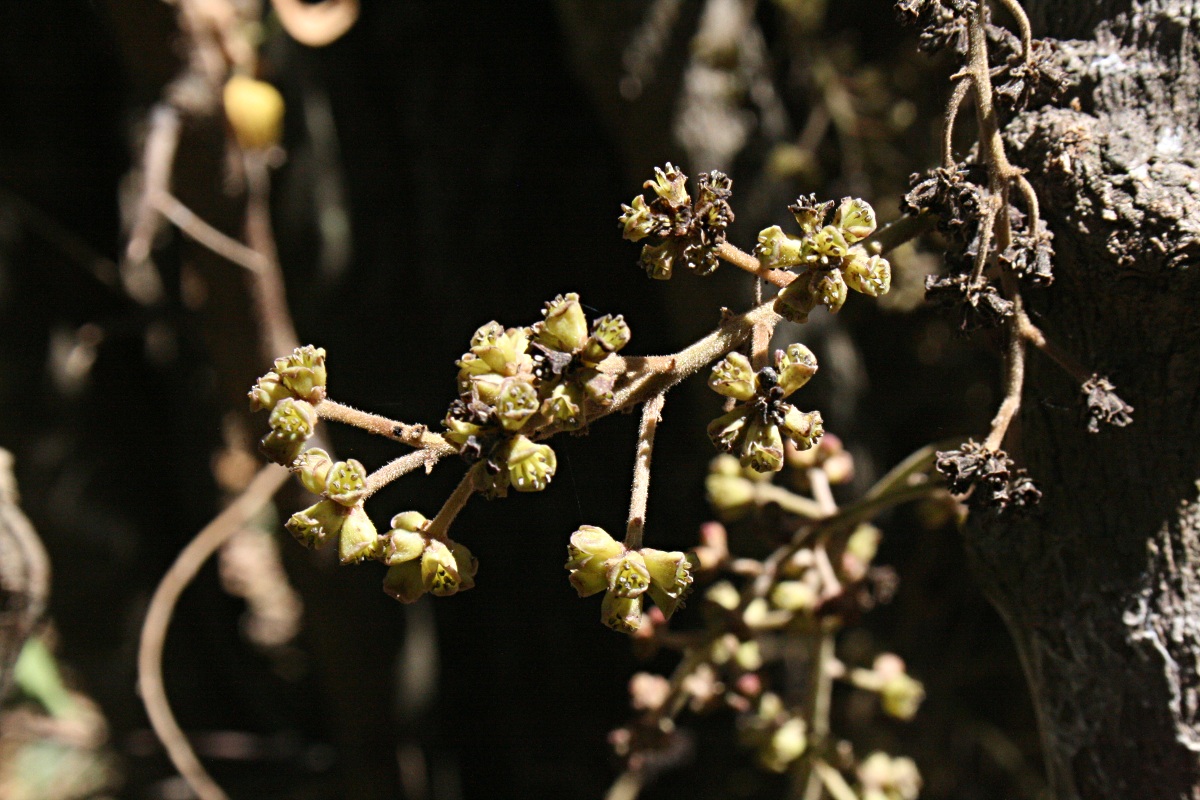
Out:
{"x": 1101, "y": 586}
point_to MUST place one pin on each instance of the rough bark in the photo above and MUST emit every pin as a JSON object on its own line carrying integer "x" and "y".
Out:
{"x": 1101, "y": 588}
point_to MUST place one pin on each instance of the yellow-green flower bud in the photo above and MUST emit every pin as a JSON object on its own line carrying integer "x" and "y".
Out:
{"x": 254, "y": 110}
{"x": 316, "y": 525}
{"x": 830, "y": 243}
{"x": 401, "y": 545}
{"x": 731, "y": 496}
{"x": 748, "y": 656}
{"x": 516, "y": 402}
{"x": 797, "y": 300}
{"x": 871, "y": 276}
{"x": 830, "y": 290}
{"x": 458, "y": 431}
{"x": 670, "y": 185}
{"x": 901, "y": 696}
{"x": 805, "y": 428}
{"x": 504, "y": 352}
{"x": 439, "y": 570}
{"x": 628, "y": 576}
{"x": 267, "y": 391}
{"x": 885, "y": 778}
{"x": 609, "y": 334}
{"x": 588, "y": 554}
{"x": 313, "y": 468}
{"x": 565, "y": 326}
{"x": 762, "y": 450}
{"x": 466, "y": 563}
{"x": 636, "y": 220}
{"x": 794, "y": 596}
{"x": 563, "y": 406}
{"x": 410, "y": 521}
{"x": 347, "y": 482}
{"x": 733, "y": 377}
{"x": 787, "y": 744}
{"x": 723, "y": 594}
{"x": 855, "y": 218}
{"x": 777, "y": 250}
{"x": 292, "y": 423}
{"x": 795, "y": 366}
{"x": 530, "y": 466}
{"x": 358, "y": 539}
{"x": 726, "y": 430}
{"x": 622, "y": 614}
{"x": 670, "y": 578}
{"x": 303, "y": 373}
{"x": 404, "y": 581}
{"x": 863, "y": 544}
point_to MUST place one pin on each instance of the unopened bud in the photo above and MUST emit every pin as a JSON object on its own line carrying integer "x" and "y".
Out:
{"x": 313, "y": 468}
{"x": 358, "y": 538}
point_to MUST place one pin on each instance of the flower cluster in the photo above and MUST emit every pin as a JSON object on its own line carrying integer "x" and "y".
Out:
{"x": 599, "y": 563}
{"x": 420, "y": 562}
{"x": 518, "y": 382}
{"x": 825, "y": 256}
{"x": 291, "y": 392}
{"x": 990, "y": 473}
{"x": 778, "y": 737}
{"x": 680, "y": 230}
{"x": 343, "y": 485}
{"x": 755, "y": 428}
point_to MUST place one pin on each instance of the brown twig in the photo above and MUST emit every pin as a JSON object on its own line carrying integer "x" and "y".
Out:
{"x": 204, "y": 234}
{"x": 138, "y": 275}
{"x": 158, "y": 618}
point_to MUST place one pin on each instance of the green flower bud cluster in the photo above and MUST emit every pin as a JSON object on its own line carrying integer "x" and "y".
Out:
{"x": 824, "y": 256}
{"x": 515, "y": 383}
{"x": 680, "y": 231}
{"x": 419, "y": 563}
{"x": 882, "y": 777}
{"x": 343, "y": 485}
{"x": 755, "y": 428}
{"x": 599, "y": 563}
{"x": 291, "y": 392}
{"x": 778, "y": 737}
{"x": 731, "y": 487}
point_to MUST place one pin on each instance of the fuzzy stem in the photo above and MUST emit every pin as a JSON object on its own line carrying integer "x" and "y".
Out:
{"x": 956, "y": 99}
{"x": 731, "y": 334}
{"x": 743, "y": 260}
{"x": 401, "y": 466}
{"x": 440, "y": 525}
{"x": 1014, "y": 381}
{"x": 640, "y": 494}
{"x": 411, "y": 435}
